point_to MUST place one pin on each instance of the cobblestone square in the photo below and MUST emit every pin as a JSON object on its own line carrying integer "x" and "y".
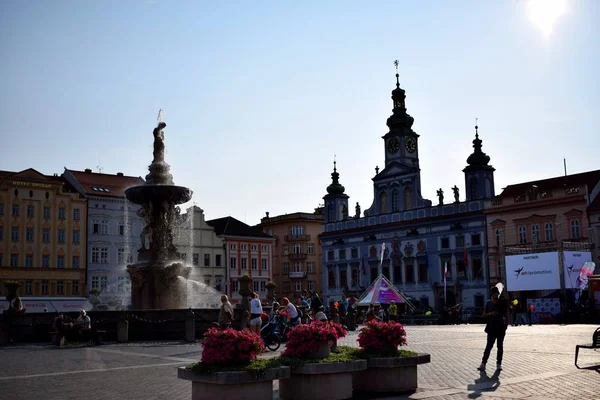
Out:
{"x": 538, "y": 364}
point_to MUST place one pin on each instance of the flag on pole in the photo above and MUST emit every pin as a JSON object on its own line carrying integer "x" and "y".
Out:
{"x": 382, "y": 253}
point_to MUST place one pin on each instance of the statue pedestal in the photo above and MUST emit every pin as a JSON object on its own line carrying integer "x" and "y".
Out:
{"x": 159, "y": 288}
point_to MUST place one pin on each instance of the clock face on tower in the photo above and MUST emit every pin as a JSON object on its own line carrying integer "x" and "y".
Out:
{"x": 410, "y": 144}
{"x": 393, "y": 146}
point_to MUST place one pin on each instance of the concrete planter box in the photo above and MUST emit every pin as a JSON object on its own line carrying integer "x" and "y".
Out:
{"x": 233, "y": 385}
{"x": 389, "y": 375}
{"x": 327, "y": 381}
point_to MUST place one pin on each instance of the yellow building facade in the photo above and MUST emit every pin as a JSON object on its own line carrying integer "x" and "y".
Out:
{"x": 42, "y": 235}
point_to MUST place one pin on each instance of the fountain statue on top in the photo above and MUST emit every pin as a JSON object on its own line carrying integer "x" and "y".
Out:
{"x": 158, "y": 280}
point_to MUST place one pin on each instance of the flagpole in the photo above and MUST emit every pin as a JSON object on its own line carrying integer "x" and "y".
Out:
{"x": 445, "y": 272}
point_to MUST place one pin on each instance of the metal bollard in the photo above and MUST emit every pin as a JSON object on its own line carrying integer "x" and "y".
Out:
{"x": 122, "y": 330}
{"x": 190, "y": 327}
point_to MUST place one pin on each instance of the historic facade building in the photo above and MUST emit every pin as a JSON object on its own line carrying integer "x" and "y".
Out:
{"x": 249, "y": 251}
{"x": 42, "y": 234}
{"x": 297, "y": 252}
{"x": 200, "y": 247}
{"x": 419, "y": 238}
{"x": 553, "y": 215}
{"x": 113, "y": 231}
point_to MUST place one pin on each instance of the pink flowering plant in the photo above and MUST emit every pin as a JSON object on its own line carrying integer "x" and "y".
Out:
{"x": 305, "y": 340}
{"x": 382, "y": 338}
{"x": 229, "y": 347}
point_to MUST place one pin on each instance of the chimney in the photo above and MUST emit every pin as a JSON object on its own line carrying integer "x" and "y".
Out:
{"x": 119, "y": 174}
{"x": 88, "y": 171}
{"x": 267, "y": 214}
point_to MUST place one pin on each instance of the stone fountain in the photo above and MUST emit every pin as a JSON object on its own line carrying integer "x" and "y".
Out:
{"x": 158, "y": 280}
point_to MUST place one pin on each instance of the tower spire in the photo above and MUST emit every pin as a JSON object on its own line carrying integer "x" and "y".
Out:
{"x": 396, "y": 63}
{"x": 335, "y": 187}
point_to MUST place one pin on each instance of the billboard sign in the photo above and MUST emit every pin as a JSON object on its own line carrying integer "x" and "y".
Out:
{"x": 537, "y": 271}
{"x": 574, "y": 261}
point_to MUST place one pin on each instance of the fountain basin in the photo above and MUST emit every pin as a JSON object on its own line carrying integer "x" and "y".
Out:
{"x": 155, "y": 193}
{"x": 159, "y": 287}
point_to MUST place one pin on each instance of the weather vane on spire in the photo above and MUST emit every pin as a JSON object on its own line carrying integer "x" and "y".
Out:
{"x": 396, "y": 63}
{"x": 159, "y": 119}
{"x": 476, "y": 126}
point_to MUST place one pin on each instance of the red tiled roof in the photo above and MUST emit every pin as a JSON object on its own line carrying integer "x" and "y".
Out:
{"x": 97, "y": 184}
{"x": 590, "y": 178}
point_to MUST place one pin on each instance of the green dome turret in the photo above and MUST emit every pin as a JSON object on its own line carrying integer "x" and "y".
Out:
{"x": 335, "y": 187}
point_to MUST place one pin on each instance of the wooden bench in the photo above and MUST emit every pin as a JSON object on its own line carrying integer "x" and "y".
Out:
{"x": 595, "y": 345}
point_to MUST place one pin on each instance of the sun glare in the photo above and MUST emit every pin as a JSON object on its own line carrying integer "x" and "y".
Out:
{"x": 545, "y": 13}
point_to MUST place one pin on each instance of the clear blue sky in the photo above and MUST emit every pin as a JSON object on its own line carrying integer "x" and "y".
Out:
{"x": 259, "y": 96}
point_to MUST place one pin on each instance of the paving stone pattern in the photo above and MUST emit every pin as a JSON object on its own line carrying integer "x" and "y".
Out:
{"x": 538, "y": 364}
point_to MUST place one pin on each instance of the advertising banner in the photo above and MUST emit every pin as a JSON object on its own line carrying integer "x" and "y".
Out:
{"x": 537, "y": 271}
{"x": 40, "y": 305}
{"x": 574, "y": 261}
{"x": 546, "y": 311}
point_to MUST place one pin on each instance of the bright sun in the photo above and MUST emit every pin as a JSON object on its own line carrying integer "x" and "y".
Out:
{"x": 545, "y": 13}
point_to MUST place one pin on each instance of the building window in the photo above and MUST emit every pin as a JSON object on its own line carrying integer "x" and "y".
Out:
{"x": 100, "y": 227}
{"x": 407, "y": 198}
{"x": 75, "y": 262}
{"x": 207, "y": 260}
{"x": 286, "y": 268}
{"x": 60, "y": 287}
{"x": 60, "y": 261}
{"x": 61, "y": 213}
{"x": 473, "y": 187}
{"x": 355, "y": 278}
{"x": 76, "y": 214}
{"x": 460, "y": 241}
{"x": 29, "y": 260}
{"x": 522, "y": 234}
{"x": 475, "y": 239}
{"x": 286, "y": 287}
{"x": 233, "y": 263}
{"x": 310, "y": 267}
{"x": 423, "y": 272}
{"x": 232, "y": 247}
{"x": 100, "y": 255}
{"x": 498, "y": 237}
{"x": 342, "y": 254}
{"x": 265, "y": 247}
{"x": 330, "y": 255}
{"x": 477, "y": 266}
{"x": 331, "y": 278}
{"x": 124, "y": 229}
{"x": 44, "y": 287}
{"x": 76, "y": 236}
{"x": 1, "y": 261}
{"x": 244, "y": 263}
{"x": 297, "y": 267}
{"x": 383, "y": 209}
{"x": 47, "y": 212}
{"x": 297, "y": 286}
{"x": 461, "y": 269}
{"x": 310, "y": 248}
{"x": 61, "y": 236}
{"x": 95, "y": 282}
{"x": 254, "y": 263}
{"x": 45, "y": 261}
{"x": 121, "y": 256}
{"x": 297, "y": 230}
{"x": 535, "y": 233}
{"x": 196, "y": 259}
{"x": 29, "y": 234}
{"x": 16, "y": 210}
{"x": 575, "y": 229}
{"x": 330, "y": 215}
{"x": 217, "y": 260}
{"x": 254, "y": 247}
{"x": 311, "y": 285}
{"x": 14, "y": 233}
{"x": 46, "y": 235}
{"x": 28, "y": 287}
{"x": 255, "y": 286}
{"x": 549, "y": 232}
{"x": 297, "y": 249}
{"x": 235, "y": 286}
{"x": 395, "y": 198}
{"x": 14, "y": 260}
{"x": 103, "y": 282}
{"x": 244, "y": 247}
{"x": 30, "y": 211}
{"x": 75, "y": 287}
{"x": 354, "y": 253}
{"x": 1, "y": 233}
{"x": 285, "y": 249}
{"x": 122, "y": 281}
{"x": 263, "y": 286}
{"x": 445, "y": 243}
{"x": 410, "y": 273}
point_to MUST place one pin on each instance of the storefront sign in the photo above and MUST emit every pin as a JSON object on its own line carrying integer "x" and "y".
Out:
{"x": 40, "y": 305}
{"x": 32, "y": 184}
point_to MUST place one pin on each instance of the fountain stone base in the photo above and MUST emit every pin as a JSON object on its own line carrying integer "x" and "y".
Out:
{"x": 159, "y": 287}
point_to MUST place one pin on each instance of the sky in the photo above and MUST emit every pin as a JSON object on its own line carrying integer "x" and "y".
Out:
{"x": 258, "y": 97}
